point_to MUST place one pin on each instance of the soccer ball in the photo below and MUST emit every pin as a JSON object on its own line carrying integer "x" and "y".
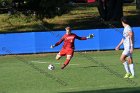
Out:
{"x": 51, "y": 67}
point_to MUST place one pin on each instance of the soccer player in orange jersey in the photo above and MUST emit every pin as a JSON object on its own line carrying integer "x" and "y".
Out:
{"x": 68, "y": 47}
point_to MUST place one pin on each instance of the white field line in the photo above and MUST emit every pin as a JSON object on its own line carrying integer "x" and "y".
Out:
{"x": 43, "y": 62}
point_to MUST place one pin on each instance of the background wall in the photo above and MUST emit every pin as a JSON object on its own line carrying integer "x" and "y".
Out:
{"x": 37, "y": 42}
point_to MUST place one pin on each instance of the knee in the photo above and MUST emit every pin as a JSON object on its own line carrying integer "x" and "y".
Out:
{"x": 69, "y": 57}
{"x": 130, "y": 61}
{"x": 122, "y": 59}
{"x": 57, "y": 58}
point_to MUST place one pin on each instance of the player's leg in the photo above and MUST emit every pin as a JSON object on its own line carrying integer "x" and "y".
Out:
{"x": 68, "y": 58}
{"x": 58, "y": 56}
{"x": 123, "y": 58}
{"x": 125, "y": 63}
{"x": 69, "y": 54}
{"x": 131, "y": 65}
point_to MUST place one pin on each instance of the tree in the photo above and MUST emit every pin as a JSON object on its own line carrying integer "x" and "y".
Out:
{"x": 46, "y": 8}
{"x": 138, "y": 4}
{"x": 42, "y": 8}
{"x": 110, "y": 9}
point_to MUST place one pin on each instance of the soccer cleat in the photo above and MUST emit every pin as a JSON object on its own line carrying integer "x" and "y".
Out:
{"x": 63, "y": 66}
{"x": 131, "y": 76}
{"x": 127, "y": 75}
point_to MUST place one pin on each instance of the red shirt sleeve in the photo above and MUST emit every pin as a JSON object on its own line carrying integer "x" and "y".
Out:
{"x": 60, "y": 41}
{"x": 81, "y": 38}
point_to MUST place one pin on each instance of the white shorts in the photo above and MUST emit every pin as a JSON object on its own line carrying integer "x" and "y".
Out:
{"x": 127, "y": 53}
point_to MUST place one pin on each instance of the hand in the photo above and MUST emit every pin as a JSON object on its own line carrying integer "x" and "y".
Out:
{"x": 90, "y": 36}
{"x": 131, "y": 50}
{"x": 117, "y": 48}
{"x": 52, "y": 46}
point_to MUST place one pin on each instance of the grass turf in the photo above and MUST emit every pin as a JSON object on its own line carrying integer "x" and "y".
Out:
{"x": 88, "y": 72}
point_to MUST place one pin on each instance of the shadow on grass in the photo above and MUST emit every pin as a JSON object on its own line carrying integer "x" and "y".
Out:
{"x": 96, "y": 23}
{"x": 115, "y": 90}
{"x": 92, "y": 22}
{"x": 134, "y": 18}
{"x": 84, "y": 23}
{"x": 26, "y": 28}
{"x": 96, "y": 66}
{"x": 90, "y": 67}
{"x": 89, "y": 22}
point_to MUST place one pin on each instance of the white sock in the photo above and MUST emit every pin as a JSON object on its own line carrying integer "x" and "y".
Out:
{"x": 131, "y": 66}
{"x": 126, "y": 67}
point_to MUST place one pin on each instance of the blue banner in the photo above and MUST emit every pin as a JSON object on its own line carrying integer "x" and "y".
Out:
{"x": 39, "y": 42}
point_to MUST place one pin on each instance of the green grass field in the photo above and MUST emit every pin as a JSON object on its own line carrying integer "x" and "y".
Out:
{"x": 88, "y": 72}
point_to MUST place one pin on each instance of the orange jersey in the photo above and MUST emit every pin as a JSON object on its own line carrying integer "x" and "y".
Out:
{"x": 68, "y": 40}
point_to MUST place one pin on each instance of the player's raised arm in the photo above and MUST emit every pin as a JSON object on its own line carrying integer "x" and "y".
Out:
{"x": 85, "y": 38}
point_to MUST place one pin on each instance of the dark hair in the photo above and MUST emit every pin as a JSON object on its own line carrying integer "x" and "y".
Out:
{"x": 68, "y": 28}
{"x": 125, "y": 20}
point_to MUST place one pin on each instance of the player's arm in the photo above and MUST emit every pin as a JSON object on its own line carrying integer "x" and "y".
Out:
{"x": 118, "y": 46}
{"x": 131, "y": 41}
{"x": 85, "y": 38}
{"x": 81, "y": 38}
{"x": 58, "y": 43}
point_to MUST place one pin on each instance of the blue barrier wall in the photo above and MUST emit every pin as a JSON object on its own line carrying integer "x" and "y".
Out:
{"x": 36, "y": 42}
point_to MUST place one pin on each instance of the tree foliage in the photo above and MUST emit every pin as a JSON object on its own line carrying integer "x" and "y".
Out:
{"x": 110, "y": 9}
{"x": 138, "y": 4}
{"x": 42, "y": 8}
{"x": 51, "y": 8}
{"x": 5, "y": 3}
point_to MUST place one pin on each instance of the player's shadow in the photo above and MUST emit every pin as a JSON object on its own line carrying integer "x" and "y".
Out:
{"x": 95, "y": 66}
{"x": 115, "y": 90}
{"x": 90, "y": 66}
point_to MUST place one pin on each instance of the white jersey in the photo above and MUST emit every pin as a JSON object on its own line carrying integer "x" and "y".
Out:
{"x": 126, "y": 37}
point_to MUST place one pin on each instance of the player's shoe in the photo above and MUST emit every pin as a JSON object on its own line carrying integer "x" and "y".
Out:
{"x": 127, "y": 75}
{"x": 63, "y": 66}
{"x": 131, "y": 76}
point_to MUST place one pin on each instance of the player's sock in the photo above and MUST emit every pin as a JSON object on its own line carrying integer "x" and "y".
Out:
{"x": 126, "y": 67}
{"x": 131, "y": 66}
{"x": 65, "y": 63}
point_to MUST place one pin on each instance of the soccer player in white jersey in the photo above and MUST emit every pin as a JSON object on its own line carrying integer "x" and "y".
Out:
{"x": 127, "y": 41}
